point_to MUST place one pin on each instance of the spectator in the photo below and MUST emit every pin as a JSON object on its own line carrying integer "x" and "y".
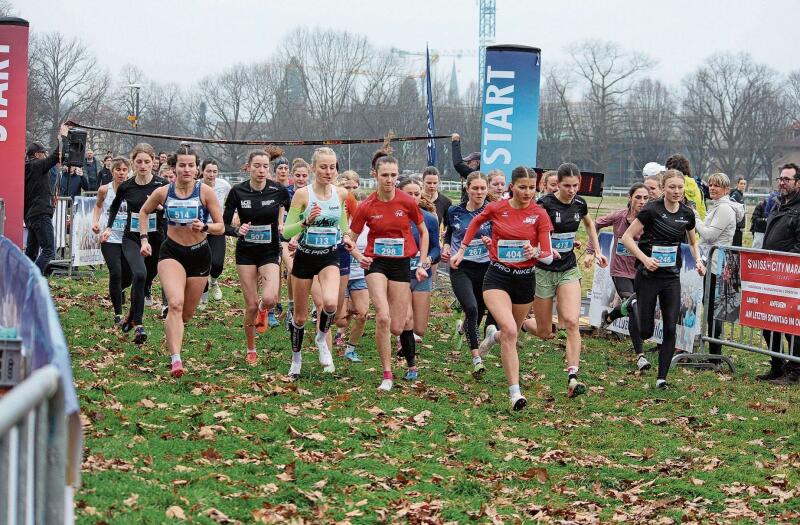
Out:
{"x": 758, "y": 222}
{"x": 162, "y": 158}
{"x": 430, "y": 183}
{"x": 91, "y": 169}
{"x": 783, "y": 235}
{"x": 691, "y": 191}
{"x": 73, "y": 181}
{"x": 465, "y": 166}
{"x": 156, "y": 166}
{"x": 38, "y": 203}
{"x": 105, "y": 173}
{"x": 737, "y": 195}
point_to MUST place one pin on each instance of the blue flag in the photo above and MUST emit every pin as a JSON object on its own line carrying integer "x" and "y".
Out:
{"x": 431, "y": 122}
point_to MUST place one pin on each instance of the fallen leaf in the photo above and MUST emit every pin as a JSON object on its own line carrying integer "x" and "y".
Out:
{"x": 176, "y": 512}
{"x": 131, "y": 501}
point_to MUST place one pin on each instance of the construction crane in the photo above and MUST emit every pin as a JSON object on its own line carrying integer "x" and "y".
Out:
{"x": 436, "y": 54}
{"x": 487, "y": 11}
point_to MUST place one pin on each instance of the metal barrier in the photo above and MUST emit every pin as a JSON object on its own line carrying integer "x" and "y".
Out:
{"x": 726, "y": 301}
{"x": 33, "y": 451}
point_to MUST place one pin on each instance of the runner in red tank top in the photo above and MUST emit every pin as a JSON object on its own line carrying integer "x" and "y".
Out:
{"x": 520, "y": 238}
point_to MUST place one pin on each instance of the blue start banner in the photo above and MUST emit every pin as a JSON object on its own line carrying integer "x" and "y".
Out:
{"x": 510, "y": 119}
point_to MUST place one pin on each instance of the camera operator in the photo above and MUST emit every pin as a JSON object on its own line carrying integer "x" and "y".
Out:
{"x": 38, "y": 207}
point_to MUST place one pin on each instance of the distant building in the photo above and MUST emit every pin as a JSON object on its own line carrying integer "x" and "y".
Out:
{"x": 788, "y": 151}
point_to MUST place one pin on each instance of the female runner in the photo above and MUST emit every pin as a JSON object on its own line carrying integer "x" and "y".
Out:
{"x": 300, "y": 169}
{"x": 259, "y": 203}
{"x": 419, "y": 309}
{"x": 349, "y": 180}
{"x": 209, "y": 170}
{"x": 623, "y": 267}
{"x": 184, "y": 258}
{"x": 119, "y": 274}
{"x": 467, "y": 279}
{"x": 134, "y": 192}
{"x": 561, "y": 278}
{"x": 497, "y": 185}
{"x": 663, "y": 225}
{"x": 390, "y": 245}
{"x": 520, "y": 237}
{"x": 318, "y": 215}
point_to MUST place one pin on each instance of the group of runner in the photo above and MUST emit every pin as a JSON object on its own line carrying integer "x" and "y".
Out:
{"x": 510, "y": 255}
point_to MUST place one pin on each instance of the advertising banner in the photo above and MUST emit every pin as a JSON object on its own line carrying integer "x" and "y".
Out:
{"x": 604, "y": 297}
{"x": 510, "y": 118}
{"x": 13, "y": 104}
{"x": 85, "y": 243}
{"x": 770, "y": 286}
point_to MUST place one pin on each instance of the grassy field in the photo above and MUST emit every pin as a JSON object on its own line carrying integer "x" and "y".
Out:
{"x": 230, "y": 443}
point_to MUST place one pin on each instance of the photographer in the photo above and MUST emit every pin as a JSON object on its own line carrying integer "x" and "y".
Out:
{"x": 38, "y": 206}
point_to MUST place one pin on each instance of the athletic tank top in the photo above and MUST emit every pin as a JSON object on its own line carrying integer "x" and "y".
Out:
{"x": 120, "y": 221}
{"x": 324, "y": 232}
{"x": 182, "y": 212}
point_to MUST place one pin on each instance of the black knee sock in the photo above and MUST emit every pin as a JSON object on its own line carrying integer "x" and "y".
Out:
{"x": 297, "y": 333}
{"x": 409, "y": 347}
{"x": 325, "y": 320}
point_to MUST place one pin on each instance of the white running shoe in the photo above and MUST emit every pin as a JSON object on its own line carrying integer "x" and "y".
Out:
{"x": 518, "y": 401}
{"x": 148, "y": 300}
{"x": 216, "y": 292}
{"x": 294, "y": 370}
{"x": 386, "y": 385}
{"x": 325, "y": 357}
{"x": 203, "y": 301}
{"x": 642, "y": 363}
{"x": 486, "y": 345}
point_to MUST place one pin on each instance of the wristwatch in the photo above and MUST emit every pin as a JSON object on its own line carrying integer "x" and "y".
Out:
{"x": 205, "y": 227}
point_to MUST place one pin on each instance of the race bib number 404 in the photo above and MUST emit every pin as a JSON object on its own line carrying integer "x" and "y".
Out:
{"x": 511, "y": 251}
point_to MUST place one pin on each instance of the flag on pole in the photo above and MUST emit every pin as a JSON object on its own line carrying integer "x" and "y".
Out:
{"x": 431, "y": 122}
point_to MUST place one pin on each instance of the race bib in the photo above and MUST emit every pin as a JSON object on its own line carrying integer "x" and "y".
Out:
{"x": 622, "y": 250}
{"x": 511, "y": 251}
{"x": 183, "y": 212}
{"x": 665, "y": 256}
{"x": 476, "y": 251}
{"x": 259, "y": 234}
{"x": 415, "y": 262}
{"x": 385, "y": 247}
{"x": 120, "y": 220}
{"x": 152, "y": 225}
{"x": 318, "y": 237}
{"x": 563, "y": 242}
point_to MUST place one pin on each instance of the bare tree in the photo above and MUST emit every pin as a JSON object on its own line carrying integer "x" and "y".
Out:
{"x": 649, "y": 123}
{"x": 67, "y": 76}
{"x": 7, "y": 8}
{"x": 793, "y": 95}
{"x": 607, "y": 74}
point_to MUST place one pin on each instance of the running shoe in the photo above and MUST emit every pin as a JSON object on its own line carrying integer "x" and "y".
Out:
{"x": 325, "y": 357}
{"x": 518, "y": 401}
{"x": 314, "y": 316}
{"x": 417, "y": 339}
{"x": 216, "y": 292}
{"x": 411, "y": 375}
{"x": 177, "y": 369}
{"x": 126, "y": 325}
{"x": 252, "y": 357}
{"x": 575, "y": 387}
{"x": 352, "y": 356}
{"x": 203, "y": 301}
{"x": 117, "y": 320}
{"x": 340, "y": 339}
{"x": 278, "y": 309}
{"x": 164, "y": 311}
{"x": 287, "y": 321}
{"x": 478, "y": 370}
{"x": 273, "y": 321}
{"x": 605, "y": 320}
{"x": 141, "y": 335}
{"x": 662, "y": 385}
{"x": 294, "y": 370}
{"x": 261, "y": 320}
{"x": 642, "y": 363}
{"x": 488, "y": 342}
{"x": 386, "y": 385}
{"x": 148, "y": 300}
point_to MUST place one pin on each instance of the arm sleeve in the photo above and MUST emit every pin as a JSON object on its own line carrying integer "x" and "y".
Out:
{"x": 293, "y": 224}
{"x": 458, "y": 163}
{"x": 476, "y": 223}
{"x": 434, "y": 249}
{"x": 231, "y": 203}
{"x": 43, "y": 166}
{"x": 115, "y": 204}
{"x": 343, "y": 221}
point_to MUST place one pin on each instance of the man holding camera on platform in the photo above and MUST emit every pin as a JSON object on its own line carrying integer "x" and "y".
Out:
{"x": 38, "y": 202}
{"x": 783, "y": 235}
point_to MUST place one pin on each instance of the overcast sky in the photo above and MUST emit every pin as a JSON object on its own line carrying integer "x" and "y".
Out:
{"x": 183, "y": 40}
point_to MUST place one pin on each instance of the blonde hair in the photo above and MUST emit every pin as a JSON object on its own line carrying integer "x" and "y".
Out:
{"x": 546, "y": 175}
{"x": 145, "y": 148}
{"x": 719, "y": 179}
{"x": 349, "y": 175}
{"x": 670, "y": 174}
{"x": 322, "y": 150}
{"x": 299, "y": 163}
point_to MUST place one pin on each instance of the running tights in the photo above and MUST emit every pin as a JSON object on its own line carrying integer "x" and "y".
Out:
{"x": 217, "y": 244}
{"x": 668, "y": 293}
{"x": 142, "y": 269}
{"x": 119, "y": 274}
{"x": 467, "y": 282}
{"x": 625, "y": 290}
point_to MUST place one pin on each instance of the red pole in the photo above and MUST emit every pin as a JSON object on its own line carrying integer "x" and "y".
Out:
{"x": 13, "y": 105}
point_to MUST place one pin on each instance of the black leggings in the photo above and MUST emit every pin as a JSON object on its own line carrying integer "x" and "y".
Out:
{"x": 668, "y": 292}
{"x": 467, "y": 282}
{"x": 625, "y": 289}
{"x": 141, "y": 268}
{"x": 218, "y": 244}
{"x": 119, "y": 274}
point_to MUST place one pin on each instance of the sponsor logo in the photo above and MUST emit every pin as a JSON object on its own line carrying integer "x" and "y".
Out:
{"x": 531, "y": 219}
{"x": 268, "y": 203}
{"x": 246, "y": 204}
{"x": 399, "y": 213}
{"x": 558, "y": 217}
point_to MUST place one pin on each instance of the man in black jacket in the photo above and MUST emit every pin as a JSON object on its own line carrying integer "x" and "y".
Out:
{"x": 465, "y": 166}
{"x": 783, "y": 235}
{"x": 38, "y": 207}
{"x": 91, "y": 170}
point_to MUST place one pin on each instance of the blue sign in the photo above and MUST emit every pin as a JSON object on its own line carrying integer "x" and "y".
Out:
{"x": 510, "y": 118}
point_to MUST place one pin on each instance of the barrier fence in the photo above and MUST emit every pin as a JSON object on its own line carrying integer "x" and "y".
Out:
{"x": 33, "y": 451}
{"x": 751, "y": 302}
